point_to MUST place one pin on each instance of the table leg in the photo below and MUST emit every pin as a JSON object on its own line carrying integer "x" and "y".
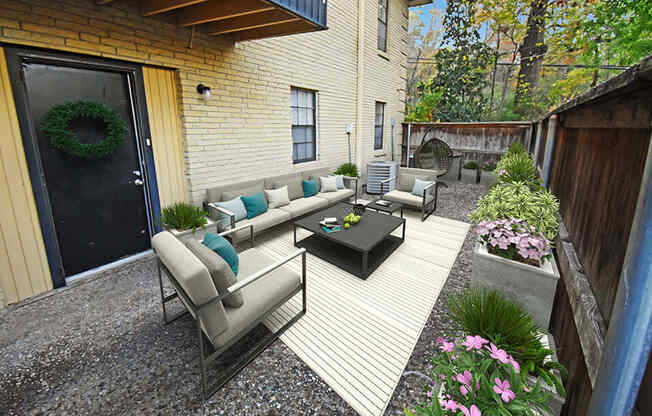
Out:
{"x": 365, "y": 260}
{"x": 294, "y": 226}
{"x": 401, "y": 212}
{"x": 403, "y": 236}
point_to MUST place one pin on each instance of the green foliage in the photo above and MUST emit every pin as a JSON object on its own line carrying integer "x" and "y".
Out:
{"x": 182, "y": 216}
{"x": 489, "y": 314}
{"x": 516, "y": 200}
{"x": 472, "y": 164}
{"x": 516, "y": 147}
{"x": 347, "y": 169}
{"x": 56, "y": 121}
{"x": 518, "y": 167}
{"x": 425, "y": 107}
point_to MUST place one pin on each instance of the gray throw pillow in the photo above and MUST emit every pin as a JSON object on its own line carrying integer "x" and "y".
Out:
{"x": 295, "y": 189}
{"x": 339, "y": 179}
{"x": 235, "y": 206}
{"x": 328, "y": 183}
{"x": 419, "y": 186}
{"x": 219, "y": 270}
{"x": 278, "y": 197}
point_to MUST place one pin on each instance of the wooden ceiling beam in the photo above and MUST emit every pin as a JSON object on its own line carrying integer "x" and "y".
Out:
{"x": 300, "y": 26}
{"x": 215, "y": 10}
{"x": 250, "y": 21}
{"x": 152, "y": 7}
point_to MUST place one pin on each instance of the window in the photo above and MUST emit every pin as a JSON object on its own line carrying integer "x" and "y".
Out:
{"x": 378, "y": 126}
{"x": 302, "y": 103}
{"x": 382, "y": 25}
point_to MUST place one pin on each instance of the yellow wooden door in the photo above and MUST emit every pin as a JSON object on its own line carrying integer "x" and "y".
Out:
{"x": 163, "y": 110}
{"x": 24, "y": 269}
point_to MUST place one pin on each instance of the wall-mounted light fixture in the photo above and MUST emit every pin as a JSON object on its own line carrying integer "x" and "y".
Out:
{"x": 205, "y": 91}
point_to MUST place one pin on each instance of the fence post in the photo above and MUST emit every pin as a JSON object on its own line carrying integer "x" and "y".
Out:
{"x": 550, "y": 146}
{"x": 537, "y": 141}
{"x": 629, "y": 338}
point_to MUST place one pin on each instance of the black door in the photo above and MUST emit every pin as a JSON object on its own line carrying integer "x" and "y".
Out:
{"x": 98, "y": 205}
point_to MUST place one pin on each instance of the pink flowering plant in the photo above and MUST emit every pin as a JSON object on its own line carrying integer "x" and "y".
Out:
{"x": 514, "y": 239}
{"x": 479, "y": 379}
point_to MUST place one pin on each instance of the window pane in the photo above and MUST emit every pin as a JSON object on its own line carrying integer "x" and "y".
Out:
{"x": 382, "y": 36}
{"x": 295, "y": 116}
{"x": 295, "y": 153}
{"x": 309, "y": 149}
{"x": 302, "y": 151}
{"x": 308, "y": 132}
{"x": 293, "y": 97}
{"x": 298, "y": 134}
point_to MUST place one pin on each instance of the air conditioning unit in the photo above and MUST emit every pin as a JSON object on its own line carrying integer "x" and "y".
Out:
{"x": 378, "y": 172}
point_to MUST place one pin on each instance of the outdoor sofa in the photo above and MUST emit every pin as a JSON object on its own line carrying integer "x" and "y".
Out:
{"x": 299, "y": 205}
{"x": 207, "y": 289}
{"x": 426, "y": 202}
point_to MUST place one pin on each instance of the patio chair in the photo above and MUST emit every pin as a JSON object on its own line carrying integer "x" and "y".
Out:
{"x": 435, "y": 155}
{"x": 265, "y": 285}
{"x": 427, "y": 202}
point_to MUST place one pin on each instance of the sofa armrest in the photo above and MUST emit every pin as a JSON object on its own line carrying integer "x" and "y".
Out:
{"x": 429, "y": 190}
{"x": 212, "y": 207}
{"x": 241, "y": 284}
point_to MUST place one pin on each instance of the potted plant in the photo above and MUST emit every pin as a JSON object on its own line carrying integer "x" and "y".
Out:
{"x": 474, "y": 378}
{"x": 518, "y": 167}
{"x": 471, "y": 172}
{"x": 348, "y": 170}
{"x": 488, "y": 177}
{"x": 184, "y": 220}
{"x": 515, "y": 227}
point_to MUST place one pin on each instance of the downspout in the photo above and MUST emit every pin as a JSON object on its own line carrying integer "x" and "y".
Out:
{"x": 409, "y": 145}
{"x": 358, "y": 87}
{"x": 629, "y": 338}
{"x": 550, "y": 146}
{"x": 537, "y": 141}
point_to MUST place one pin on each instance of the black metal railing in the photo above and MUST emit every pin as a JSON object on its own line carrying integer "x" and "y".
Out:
{"x": 312, "y": 10}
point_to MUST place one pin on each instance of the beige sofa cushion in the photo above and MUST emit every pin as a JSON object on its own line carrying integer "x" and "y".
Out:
{"x": 250, "y": 190}
{"x": 220, "y": 271}
{"x": 293, "y": 182}
{"x": 261, "y": 296}
{"x": 406, "y": 198}
{"x": 337, "y": 196}
{"x": 215, "y": 194}
{"x": 194, "y": 279}
{"x": 262, "y": 222}
{"x": 302, "y": 206}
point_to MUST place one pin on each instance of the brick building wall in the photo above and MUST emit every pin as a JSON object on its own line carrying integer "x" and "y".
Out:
{"x": 244, "y": 131}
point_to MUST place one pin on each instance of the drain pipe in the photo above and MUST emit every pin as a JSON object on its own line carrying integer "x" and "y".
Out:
{"x": 629, "y": 338}
{"x": 409, "y": 145}
{"x": 550, "y": 146}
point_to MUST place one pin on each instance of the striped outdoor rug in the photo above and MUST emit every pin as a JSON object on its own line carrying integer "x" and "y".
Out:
{"x": 359, "y": 334}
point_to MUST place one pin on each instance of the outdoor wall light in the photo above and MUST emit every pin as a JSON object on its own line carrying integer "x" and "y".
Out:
{"x": 205, "y": 91}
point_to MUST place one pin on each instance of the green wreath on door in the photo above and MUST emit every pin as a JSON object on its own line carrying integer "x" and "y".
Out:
{"x": 56, "y": 122}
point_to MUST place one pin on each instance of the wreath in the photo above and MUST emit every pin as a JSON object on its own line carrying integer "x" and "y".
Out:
{"x": 55, "y": 124}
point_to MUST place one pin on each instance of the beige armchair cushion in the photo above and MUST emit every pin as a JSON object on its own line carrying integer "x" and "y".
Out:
{"x": 194, "y": 278}
{"x": 261, "y": 296}
{"x": 406, "y": 198}
{"x": 220, "y": 271}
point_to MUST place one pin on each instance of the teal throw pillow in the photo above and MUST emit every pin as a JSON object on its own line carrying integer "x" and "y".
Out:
{"x": 310, "y": 188}
{"x": 255, "y": 204}
{"x": 235, "y": 206}
{"x": 419, "y": 186}
{"x": 223, "y": 248}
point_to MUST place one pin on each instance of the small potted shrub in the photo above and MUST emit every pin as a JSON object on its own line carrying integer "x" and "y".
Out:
{"x": 518, "y": 167}
{"x": 350, "y": 170}
{"x": 471, "y": 172}
{"x": 475, "y": 378}
{"x": 515, "y": 227}
{"x": 488, "y": 176}
{"x": 184, "y": 220}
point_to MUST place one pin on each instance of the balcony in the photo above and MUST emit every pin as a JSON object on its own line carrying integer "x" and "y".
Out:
{"x": 243, "y": 20}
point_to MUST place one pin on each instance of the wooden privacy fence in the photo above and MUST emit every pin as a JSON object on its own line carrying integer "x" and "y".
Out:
{"x": 479, "y": 141}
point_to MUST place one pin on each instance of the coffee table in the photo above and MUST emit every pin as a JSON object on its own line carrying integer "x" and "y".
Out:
{"x": 389, "y": 209}
{"x": 358, "y": 250}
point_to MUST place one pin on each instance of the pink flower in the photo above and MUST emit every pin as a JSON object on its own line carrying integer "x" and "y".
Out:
{"x": 429, "y": 394}
{"x": 502, "y": 388}
{"x": 439, "y": 340}
{"x": 446, "y": 346}
{"x": 443, "y": 377}
{"x": 514, "y": 364}
{"x": 465, "y": 378}
{"x": 450, "y": 405}
{"x": 473, "y": 412}
{"x": 498, "y": 354}
{"x": 526, "y": 388}
{"x": 476, "y": 342}
{"x": 464, "y": 390}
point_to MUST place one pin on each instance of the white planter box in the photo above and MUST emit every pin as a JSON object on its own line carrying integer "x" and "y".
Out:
{"x": 198, "y": 234}
{"x": 533, "y": 287}
{"x": 488, "y": 177}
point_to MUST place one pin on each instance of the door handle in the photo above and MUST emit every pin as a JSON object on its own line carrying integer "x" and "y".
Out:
{"x": 138, "y": 182}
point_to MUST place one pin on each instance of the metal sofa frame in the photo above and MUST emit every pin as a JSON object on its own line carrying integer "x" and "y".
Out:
{"x": 204, "y": 360}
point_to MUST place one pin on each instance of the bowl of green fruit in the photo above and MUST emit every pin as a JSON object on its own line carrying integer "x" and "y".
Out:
{"x": 350, "y": 220}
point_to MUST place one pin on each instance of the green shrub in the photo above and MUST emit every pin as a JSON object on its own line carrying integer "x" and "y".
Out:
{"x": 516, "y": 147}
{"x": 489, "y": 314}
{"x": 182, "y": 216}
{"x": 516, "y": 200}
{"x": 472, "y": 164}
{"x": 348, "y": 169}
{"x": 489, "y": 166}
{"x": 518, "y": 167}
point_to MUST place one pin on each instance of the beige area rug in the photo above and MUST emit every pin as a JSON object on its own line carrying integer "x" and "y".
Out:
{"x": 358, "y": 335}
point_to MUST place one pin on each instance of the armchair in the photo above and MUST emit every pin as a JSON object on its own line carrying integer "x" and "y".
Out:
{"x": 427, "y": 202}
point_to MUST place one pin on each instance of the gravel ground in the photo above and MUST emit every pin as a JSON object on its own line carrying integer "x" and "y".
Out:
{"x": 100, "y": 348}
